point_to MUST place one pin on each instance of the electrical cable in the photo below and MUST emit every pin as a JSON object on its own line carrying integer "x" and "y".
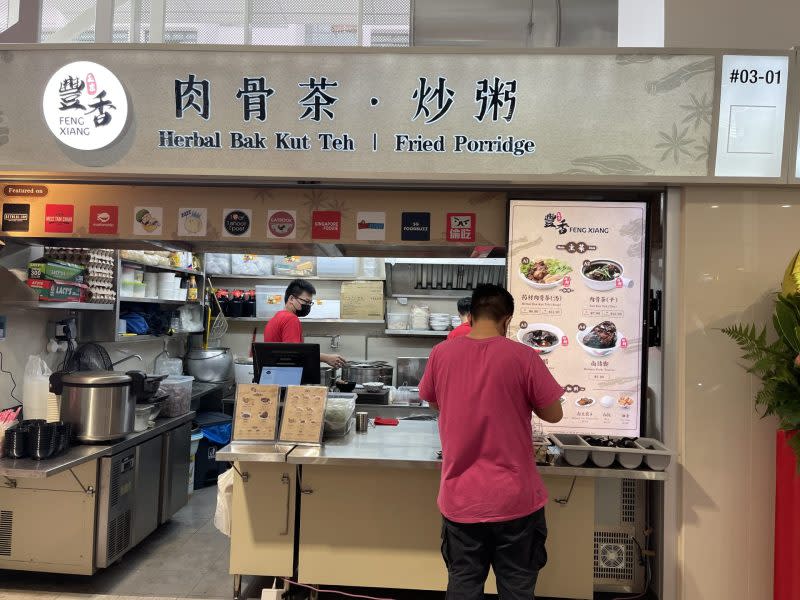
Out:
{"x": 336, "y": 592}
{"x": 648, "y": 574}
{"x": 13, "y": 381}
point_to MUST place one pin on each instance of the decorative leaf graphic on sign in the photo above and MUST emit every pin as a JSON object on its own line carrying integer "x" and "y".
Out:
{"x": 674, "y": 143}
{"x": 702, "y": 149}
{"x": 4, "y": 131}
{"x": 613, "y": 164}
{"x": 699, "y": 111}
{"x": 679, "y": 77}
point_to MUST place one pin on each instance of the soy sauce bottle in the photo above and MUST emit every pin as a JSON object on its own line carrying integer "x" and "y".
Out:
{"x": 235, "y": 304}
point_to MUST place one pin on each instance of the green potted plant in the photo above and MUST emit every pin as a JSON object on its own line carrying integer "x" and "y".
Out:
{"x": 776, "y": 363}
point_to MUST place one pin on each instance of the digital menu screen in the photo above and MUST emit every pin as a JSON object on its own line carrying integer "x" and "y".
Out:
{"x": 576, "y": 271}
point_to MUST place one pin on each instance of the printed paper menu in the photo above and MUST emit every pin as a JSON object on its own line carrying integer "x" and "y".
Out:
{"x": 256, "y": 412}
{"x": 576, "y": 271}
{"x": 303, "y": 414}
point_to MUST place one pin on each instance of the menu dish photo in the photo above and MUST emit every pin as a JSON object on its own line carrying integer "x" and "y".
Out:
{"x": 542, "y": 337}
{"x": 601, "y": 340}
{"x": 604, "y": 275}
{"x": 543, "y": 273}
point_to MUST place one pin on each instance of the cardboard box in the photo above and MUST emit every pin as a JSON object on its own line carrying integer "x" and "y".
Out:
{"x": 52, "y": 290}
{"x": 362, "y": 300}
{"x": 46, "y": 268}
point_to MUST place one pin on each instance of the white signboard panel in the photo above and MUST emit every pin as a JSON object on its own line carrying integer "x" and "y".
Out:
{"x": 751, "y": 116}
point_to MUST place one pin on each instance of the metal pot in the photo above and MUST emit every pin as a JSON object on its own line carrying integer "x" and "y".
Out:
{"x": 98, "y": 404}
{"x": 361, "y": 372}
{"x": 326, "y": 376}
{"x": 214, "y": 365}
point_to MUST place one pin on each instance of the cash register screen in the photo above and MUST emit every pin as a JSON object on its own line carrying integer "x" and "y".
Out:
{"x": 273, "y": 356}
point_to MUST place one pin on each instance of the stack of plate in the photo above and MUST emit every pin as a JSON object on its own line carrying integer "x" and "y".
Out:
{"x": 439, "y": 321}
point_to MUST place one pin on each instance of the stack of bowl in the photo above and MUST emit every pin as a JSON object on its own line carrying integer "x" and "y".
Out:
{"x": 42, "y": 442}
{"x": 439, "y": 321}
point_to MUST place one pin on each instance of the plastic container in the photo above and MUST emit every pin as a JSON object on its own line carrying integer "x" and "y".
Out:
{"x": 179, "y": 388}
{"x": 397, "y": 321}
{"x": 269, "y": 300}
{"x": 256, "y": 265}
{"x": 339, "y": 411}
{"x": 337, "y": 266}
{"x": 218, "y": 264}
{"x": 139, "y": 290}
{"x": 142, "y": 419}
{"x": 370, "y": 267}
{"x": 126, "y": 289}
{"x": 295, "y": 266}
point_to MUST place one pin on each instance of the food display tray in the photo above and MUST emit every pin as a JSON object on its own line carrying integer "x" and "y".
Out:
{"x": 577, "y": 451}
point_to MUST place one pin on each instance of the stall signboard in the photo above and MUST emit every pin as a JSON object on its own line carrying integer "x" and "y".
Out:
{"x": 576, "y": 271}
{"x": 311, "y": 114}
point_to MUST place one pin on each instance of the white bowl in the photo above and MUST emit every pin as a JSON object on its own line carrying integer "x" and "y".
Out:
{"x": 606, "y": 286}
{"x": 542, "y": 286}
{"x": 599, "y": 351}
{"x": 547, "y": 327}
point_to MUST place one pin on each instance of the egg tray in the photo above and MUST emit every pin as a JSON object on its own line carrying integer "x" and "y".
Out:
{"x": 577, "y": 452}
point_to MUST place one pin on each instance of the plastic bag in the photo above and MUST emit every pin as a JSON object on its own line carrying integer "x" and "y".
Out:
{"x": 35, "y": 388}
{"x": 222, "y": 515}
{"x": 338, "y": 414}
{"x": 219, "y": 434}
{"x": 251, "y": 264}
{"x": 218, "y": 263}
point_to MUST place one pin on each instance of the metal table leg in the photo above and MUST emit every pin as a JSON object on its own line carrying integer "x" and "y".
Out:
{"x": 237, "y": 587}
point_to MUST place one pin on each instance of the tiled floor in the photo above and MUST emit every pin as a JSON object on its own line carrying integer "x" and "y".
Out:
{"x": 185, "y": 558}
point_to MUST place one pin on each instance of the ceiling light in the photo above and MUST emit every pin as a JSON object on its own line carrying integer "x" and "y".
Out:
{"x": 786, "y": 206}
{"x": 715, "y": 206}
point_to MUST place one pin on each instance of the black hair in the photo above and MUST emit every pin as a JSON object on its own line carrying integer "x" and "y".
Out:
{"x": 297, "y": 287}
{"x": 464, "y": 305}
{"x": 492, "y": 302}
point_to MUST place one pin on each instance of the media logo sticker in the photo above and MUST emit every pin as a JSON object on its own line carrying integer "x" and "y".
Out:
{"x": 282, "y": 224}
{"x": 16, "y": 217}
{"x": 460, "y": 227}
{"x": 192, "y": 222}
{"x": 416, "y": 226}
{"x": 371, "y": 226}
{"x": 59, "y": 218}
{"x": 148, "y": 220}
{"x": 326, "y": 225}
{"x": 236, "y": 222}
{"x": 103, "y": 219}
{"x": 85, "y": 106}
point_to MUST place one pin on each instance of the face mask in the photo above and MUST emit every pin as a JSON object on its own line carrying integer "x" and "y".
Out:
{"x": 303, "y": 310}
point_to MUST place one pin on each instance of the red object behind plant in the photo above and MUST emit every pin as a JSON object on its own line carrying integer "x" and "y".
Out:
{"x": 787, "y": 519}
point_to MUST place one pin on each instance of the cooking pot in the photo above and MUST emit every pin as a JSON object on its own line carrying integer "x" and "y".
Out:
{"x": 326, "y": 376}
{"x": 361, "y": 372}
{"x": 214, "y": 365}
{"x": 98, "y": 404}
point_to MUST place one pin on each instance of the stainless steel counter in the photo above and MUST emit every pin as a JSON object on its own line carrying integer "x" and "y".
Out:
{"x": 414, "y": 445}
{"x": 28, "y": 468}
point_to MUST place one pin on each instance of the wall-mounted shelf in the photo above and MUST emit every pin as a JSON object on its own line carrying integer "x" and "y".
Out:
{"x": 155, "y": 301}
{"x": 161, "y": 267}
{"x": 417, "y": 332}
{"x": 342, "y": 321}
{"x": 75, "y": 306}
{"x": 150, "y": 338}
{"x": 290, "y": 277}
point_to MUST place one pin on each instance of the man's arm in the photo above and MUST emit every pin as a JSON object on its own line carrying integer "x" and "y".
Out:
{"x": 335, "y": 360}
{"x": 552, "y": 413}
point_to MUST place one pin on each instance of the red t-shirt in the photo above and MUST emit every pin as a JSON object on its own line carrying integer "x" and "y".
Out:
{"x": 486, "y": 390}
{"x": 459, "y": 331}
{"x": 285, "y": 328}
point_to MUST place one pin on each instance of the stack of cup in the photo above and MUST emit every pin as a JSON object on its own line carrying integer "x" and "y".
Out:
{"x": 151, "y": 285}
{"x": 169, "y": 286}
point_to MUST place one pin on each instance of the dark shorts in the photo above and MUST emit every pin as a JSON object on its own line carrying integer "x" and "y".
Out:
{"x": 515, "y": 550}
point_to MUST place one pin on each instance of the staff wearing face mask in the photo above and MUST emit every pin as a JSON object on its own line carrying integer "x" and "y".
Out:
{"x": 285, "y": 326}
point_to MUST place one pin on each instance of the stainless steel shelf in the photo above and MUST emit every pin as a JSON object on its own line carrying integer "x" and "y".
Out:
{"x": 75, "y": 306}
{"x": 417, "y": 332}
{"x": 343, "y": 321}
{"x": 162, "y": 267}
{"x": 155, "y": 301}
{"x": 290, "y": 277}
{"x": 150, "y": 338}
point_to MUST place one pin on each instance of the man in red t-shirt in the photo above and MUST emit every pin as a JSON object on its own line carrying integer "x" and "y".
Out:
{"x": 463, "y": 312}
{"x": 285, "y": 326}
{"x": 491, "y": 496}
